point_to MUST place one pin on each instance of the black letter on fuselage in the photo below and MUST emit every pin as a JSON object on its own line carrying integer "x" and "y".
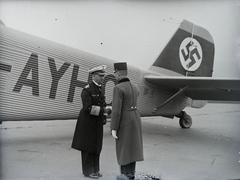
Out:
{"x": 56, "y": 75}
{"x": 32, "y": 64}
{"x": 74, "y": 83}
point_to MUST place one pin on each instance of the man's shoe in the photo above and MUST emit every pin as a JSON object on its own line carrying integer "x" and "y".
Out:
{"x": 98, "y": 174}
{"x": 92, "y": 176}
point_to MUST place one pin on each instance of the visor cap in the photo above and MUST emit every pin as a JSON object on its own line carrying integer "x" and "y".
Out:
{"x": 99, "y": 70}
{"x": 120, "y": 66}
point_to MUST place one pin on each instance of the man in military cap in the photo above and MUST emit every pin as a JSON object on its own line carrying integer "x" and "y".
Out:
{"x": 88, "y": 133}
{"x": 125, "y": 122}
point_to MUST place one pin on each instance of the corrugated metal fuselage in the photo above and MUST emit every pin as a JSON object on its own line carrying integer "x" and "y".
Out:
{"x": 42, "y": 80}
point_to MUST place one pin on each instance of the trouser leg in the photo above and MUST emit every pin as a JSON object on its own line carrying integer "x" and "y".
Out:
{"x": 96, "y": 166}
{"x": 90, "y": 163}
{"x": 87, "y": 163}
{"x": 129, "y": 169}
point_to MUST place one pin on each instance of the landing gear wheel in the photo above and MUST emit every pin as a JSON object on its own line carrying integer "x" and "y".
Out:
{"x": 185, "y": 121}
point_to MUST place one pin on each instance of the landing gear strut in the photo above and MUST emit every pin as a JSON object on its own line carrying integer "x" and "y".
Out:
{"x": 185, "y": 120}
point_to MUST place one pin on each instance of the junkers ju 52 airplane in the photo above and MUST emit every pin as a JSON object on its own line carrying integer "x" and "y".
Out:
{"x": 42, "y": 80}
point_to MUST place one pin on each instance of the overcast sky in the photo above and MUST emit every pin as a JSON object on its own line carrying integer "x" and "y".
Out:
{"x": 132, "y": 31}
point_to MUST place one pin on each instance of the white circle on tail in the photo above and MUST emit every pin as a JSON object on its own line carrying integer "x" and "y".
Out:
{"x": 190, "y": 54}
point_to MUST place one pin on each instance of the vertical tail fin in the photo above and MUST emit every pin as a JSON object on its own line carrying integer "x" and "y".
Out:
{"x": 190, "y": 52}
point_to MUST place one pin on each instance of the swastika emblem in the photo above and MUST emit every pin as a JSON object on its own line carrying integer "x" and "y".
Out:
{"x": 190, "y": 54}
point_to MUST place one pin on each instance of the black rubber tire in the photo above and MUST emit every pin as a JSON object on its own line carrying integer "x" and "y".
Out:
{"x": 185, "y": 121}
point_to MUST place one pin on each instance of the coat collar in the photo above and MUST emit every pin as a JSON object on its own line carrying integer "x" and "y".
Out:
{"x": 123, "y": 80}
{"x": 96, "y": 86}
{"x": 99, "y": 85}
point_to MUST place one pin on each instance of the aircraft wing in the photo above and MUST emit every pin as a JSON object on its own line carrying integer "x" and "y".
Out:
{"x": 200, "y": 88}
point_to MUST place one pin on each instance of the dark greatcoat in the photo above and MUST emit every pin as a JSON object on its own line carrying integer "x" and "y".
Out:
{"x": 125, "y": 119}
{"x": 88, "y": 133}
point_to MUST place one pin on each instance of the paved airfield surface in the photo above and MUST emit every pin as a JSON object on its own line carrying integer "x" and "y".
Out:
{"x": 210, "y": 149}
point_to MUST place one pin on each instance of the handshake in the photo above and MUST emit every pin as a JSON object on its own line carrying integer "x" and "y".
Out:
{"x": 107, "y": 110}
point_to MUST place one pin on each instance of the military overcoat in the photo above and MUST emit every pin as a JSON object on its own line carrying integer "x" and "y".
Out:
{"x": 125, "y": 119}
{"x": 88, "y": 133}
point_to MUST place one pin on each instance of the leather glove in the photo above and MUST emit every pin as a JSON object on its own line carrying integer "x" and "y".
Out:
{"x": 108, "y": 111}
{"x": 114, "y": 134}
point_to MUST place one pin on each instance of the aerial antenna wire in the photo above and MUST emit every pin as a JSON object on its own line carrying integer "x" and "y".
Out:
{"x": 172, "y": 21}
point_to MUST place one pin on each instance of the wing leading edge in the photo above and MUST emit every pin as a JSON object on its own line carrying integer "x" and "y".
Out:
{"x": 200, "y": 88}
